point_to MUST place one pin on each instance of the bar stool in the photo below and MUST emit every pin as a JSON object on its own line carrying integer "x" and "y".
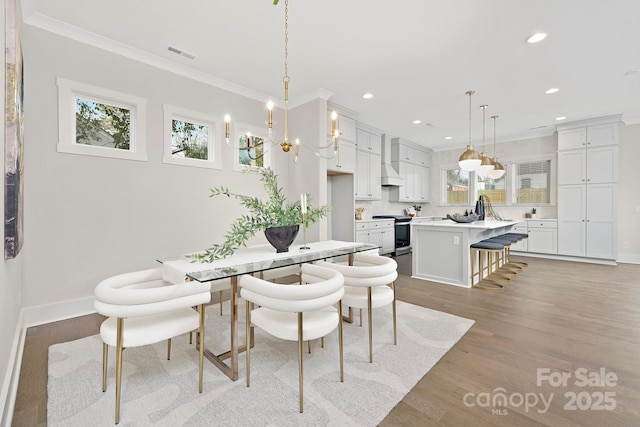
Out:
{"x": 505, "y": 266}
{"x": 521, "y": 236}
{"x": 486, "y": 282}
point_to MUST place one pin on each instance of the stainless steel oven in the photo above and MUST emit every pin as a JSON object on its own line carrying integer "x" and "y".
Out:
{"x": 402, "y": 232}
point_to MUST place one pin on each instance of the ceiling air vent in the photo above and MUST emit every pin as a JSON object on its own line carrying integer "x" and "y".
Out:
{"x": 181, "y": 52}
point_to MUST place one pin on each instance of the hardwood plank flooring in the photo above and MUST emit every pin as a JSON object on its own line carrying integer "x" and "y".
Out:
{"x": 556, "y": 315}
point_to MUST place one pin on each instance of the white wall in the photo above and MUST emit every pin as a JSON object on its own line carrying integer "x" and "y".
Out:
{"x": 88, "y": 218}
{"x": 629, "y": 195}
{"x": 10, "y": 299}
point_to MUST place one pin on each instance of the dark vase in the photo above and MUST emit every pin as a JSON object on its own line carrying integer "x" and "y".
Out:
{"x": 282, "y": 237}
{"x": 480, "y": 208}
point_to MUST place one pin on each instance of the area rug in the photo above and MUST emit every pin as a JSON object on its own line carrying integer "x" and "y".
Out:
{"x": 162, "y": 392}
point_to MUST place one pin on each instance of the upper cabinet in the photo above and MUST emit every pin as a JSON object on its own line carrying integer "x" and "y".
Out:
{"x": 588, "y": 153}
{"x": 344, "y": 160}
{"x": 368, "y": 175}
{"x": 588, "y": 188}
{"x": 413, "y": 163}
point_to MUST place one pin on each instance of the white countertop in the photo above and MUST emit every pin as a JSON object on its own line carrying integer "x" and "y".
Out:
{"x": 484, "y": 225}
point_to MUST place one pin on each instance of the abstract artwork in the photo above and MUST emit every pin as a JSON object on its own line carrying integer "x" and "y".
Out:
{"x": 13, "y": 137}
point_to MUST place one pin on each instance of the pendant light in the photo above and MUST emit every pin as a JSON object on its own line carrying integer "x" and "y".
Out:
{"x": 470, "y": 159}
{"x": 486, "y": 165}
{"x": 498, "y": 170}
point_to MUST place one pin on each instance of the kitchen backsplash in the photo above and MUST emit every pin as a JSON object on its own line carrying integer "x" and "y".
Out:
{"x": 384, "y": 207}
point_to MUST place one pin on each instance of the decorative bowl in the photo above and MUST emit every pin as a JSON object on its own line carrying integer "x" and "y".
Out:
{"x": 461, "y": 218}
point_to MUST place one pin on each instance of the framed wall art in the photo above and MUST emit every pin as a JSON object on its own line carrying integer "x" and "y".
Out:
{"x": 13, "y": 136}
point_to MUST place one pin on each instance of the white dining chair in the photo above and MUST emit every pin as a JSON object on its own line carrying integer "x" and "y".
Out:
{"x": 295, "y": 312}
{"x": 143, "y": 309}
{"x": 368, "y": 283}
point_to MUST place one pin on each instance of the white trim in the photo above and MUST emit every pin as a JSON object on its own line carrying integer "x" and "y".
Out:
{"x": 11, "y": 377}
{"x": 172, "y": 112}
{"x": 55, "y": 26}
{"x": 47, "y": 313}
{"x": 69, "y": 90}
{"x": 262, "y": 132}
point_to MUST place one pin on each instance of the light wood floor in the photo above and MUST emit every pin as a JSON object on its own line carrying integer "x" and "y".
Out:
{"x": 557, "y": 315}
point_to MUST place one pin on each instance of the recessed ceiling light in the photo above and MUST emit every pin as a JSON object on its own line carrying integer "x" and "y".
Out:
{"x": 561, "y": 118}
{"x": 417, "y": 122}
{"x": 552, "y": 90}
{"x": 367, "y": 95}
{"x": 447, "y": 137}
{"x": 537, "y": 37}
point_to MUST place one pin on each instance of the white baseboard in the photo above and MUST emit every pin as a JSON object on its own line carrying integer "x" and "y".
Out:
{"x": 12, "y": 376}
{"x": 48, "y": 313}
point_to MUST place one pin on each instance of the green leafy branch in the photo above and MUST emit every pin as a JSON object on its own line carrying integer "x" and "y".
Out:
{"x": 274, "y": 212}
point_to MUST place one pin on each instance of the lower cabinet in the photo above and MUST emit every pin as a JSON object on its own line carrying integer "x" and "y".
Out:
{"x": 543, "y": 236}
{"x": 377, "y": 232}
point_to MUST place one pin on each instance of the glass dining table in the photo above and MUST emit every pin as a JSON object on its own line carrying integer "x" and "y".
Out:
{"x": 251, "y": 260}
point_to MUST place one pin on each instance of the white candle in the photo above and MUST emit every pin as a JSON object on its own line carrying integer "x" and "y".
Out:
{"x": 303, "y": 203}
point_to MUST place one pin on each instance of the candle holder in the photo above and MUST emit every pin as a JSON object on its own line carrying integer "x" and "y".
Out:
{"x": 304, "y": 246}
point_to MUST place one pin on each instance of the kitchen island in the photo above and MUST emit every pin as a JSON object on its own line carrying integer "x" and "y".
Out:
{"x": 441, "y": 248}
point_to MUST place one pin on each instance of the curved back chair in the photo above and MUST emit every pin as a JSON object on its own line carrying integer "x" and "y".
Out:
{"x": 143, "y": 309}
{"x": 295, "y": 312}
{"x": 366, "y": 286}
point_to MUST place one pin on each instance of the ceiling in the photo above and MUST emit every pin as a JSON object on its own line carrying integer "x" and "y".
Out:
{"x": 417, "y": 57}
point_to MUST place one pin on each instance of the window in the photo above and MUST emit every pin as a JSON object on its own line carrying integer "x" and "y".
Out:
{"x": 456, "y": 191}
{"x": 258, "y": 154}
{"x": 100, "y": 122}
{"x": 189, "y": 138}
{"x": 531, "y": 182}
{"x": 494, "y": 189}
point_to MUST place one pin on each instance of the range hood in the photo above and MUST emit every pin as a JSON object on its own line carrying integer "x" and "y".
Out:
{"x": 390, "y": 177}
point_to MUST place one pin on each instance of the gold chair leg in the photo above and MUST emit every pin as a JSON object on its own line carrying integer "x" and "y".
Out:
{"x": 300, "y": 378}
{"x": 370, "y": 318}
{"x": 360, "y": 317}
{"x": 105, "y": 355}
{"x": 248, "y": 335}
{"x": 190, "y": 338}
{"x": 169, "y": 349}
{"x": 201, "y": 345}
{"x": 340, "y": 342}
{"x": 120, "y": 325}
{"x": 395, "y": 330}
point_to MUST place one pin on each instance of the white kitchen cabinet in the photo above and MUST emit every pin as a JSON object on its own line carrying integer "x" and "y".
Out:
{"x": 589, "y": 133}
{"x": 587, "y": 188}
{"x": 521, "y": 245}
{"x": 388, "y": 237}
{"x": 543, "y": 236}
{"x": 368, "y": 171}
{"x": 345, "y": 160}
{"x": 377, "y": 232}
{"x": 345, "y": 125}
{"x": 587, "y": 220}
{"x": 412, "y": 162}
{"x": 591, "y": 165}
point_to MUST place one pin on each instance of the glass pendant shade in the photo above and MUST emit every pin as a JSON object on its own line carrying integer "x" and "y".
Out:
{"x": 469, "y": 160}
{"x": 498, "y": 170}
{"x": 486, "y": 166}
